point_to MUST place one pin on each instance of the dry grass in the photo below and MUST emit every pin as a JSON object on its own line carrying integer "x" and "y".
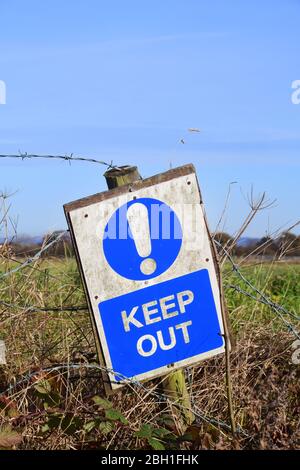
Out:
{"x": 63, "y": 415}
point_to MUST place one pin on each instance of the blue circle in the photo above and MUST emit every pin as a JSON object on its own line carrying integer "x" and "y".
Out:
{"x": 166, "y": 238}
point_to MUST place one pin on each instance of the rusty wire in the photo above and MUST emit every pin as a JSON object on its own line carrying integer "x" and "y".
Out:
{"x": 70, "y": 158}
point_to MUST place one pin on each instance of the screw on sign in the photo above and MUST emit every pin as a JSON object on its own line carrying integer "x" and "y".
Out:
{"x": 148, "y": 266}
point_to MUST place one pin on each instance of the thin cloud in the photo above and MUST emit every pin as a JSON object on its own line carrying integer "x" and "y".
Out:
{"x": 32, "y": 51}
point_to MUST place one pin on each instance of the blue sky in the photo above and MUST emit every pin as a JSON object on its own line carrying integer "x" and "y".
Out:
{"x": 124, "y": 80}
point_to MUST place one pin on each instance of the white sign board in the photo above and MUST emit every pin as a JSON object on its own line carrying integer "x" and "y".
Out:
{"x": 148, "y": 267}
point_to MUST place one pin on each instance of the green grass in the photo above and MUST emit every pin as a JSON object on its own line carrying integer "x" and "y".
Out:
{"x": 278, "y": 282}
{"x": 57, "y": 282}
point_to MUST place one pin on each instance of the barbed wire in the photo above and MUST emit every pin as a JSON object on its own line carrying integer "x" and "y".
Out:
{"x": 35, "y": 309}
{"x": 70, "y": 158}
{"x": 270, "y": 303}
{"x": 162, "y": 398}
{"x": 35, "y": 257}
{"x": 262, "y": 298}
{"x": 259, "y": 297}
{"x": 278, "y": 309}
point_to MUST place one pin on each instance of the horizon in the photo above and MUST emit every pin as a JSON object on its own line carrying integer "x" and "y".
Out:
{"x": 41, "y": 236}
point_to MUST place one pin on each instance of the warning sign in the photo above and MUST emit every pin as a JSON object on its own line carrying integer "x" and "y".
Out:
{"x": 148, "y": 267}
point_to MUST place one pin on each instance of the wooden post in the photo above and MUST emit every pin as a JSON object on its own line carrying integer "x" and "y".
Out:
{"x": 174, "y": 385}
{"x": 175, "y": 389}
{"x": 122, "y": 175}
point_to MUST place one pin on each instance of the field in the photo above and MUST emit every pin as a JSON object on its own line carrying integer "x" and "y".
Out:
{"x": 52, "y": 393}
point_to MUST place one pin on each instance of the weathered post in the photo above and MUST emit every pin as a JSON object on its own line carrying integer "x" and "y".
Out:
{"x": 175, "y": 389}
{"x": 174, "y": 384}
{"x": 122, "y": 175}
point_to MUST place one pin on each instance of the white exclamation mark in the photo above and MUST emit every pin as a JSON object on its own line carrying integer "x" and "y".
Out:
{"x": 137, "y": 216}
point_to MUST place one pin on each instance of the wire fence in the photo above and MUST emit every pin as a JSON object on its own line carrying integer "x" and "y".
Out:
{"x": 160, "y": 397}
{"x": 34, "y": 258}
{"x": 259, "y": 297}
{"x": 254, "y": 293}
{"x": 279, "y": 310}
{"x": 69, "y": 158}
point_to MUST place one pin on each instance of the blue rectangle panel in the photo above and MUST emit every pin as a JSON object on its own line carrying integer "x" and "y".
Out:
{"x": 161, "y": 324}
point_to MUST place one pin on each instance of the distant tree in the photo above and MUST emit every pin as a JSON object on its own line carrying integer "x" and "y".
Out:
{"x": 20, "y": 249}
{"x": 289, "y": 244}
{"x": 223, "y": 238}
{"x": 62, "y": 248}
{"x": 267, "y": 246}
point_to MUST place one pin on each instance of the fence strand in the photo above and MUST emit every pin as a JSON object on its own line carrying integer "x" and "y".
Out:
{"x": 35, "y": 257}
{"x": 70, "y": 158}
{"x": 278, "y": 309}
{"x": 161, "y": 398}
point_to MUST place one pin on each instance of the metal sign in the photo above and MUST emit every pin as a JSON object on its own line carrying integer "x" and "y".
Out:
{"x": 149, "y": 271}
